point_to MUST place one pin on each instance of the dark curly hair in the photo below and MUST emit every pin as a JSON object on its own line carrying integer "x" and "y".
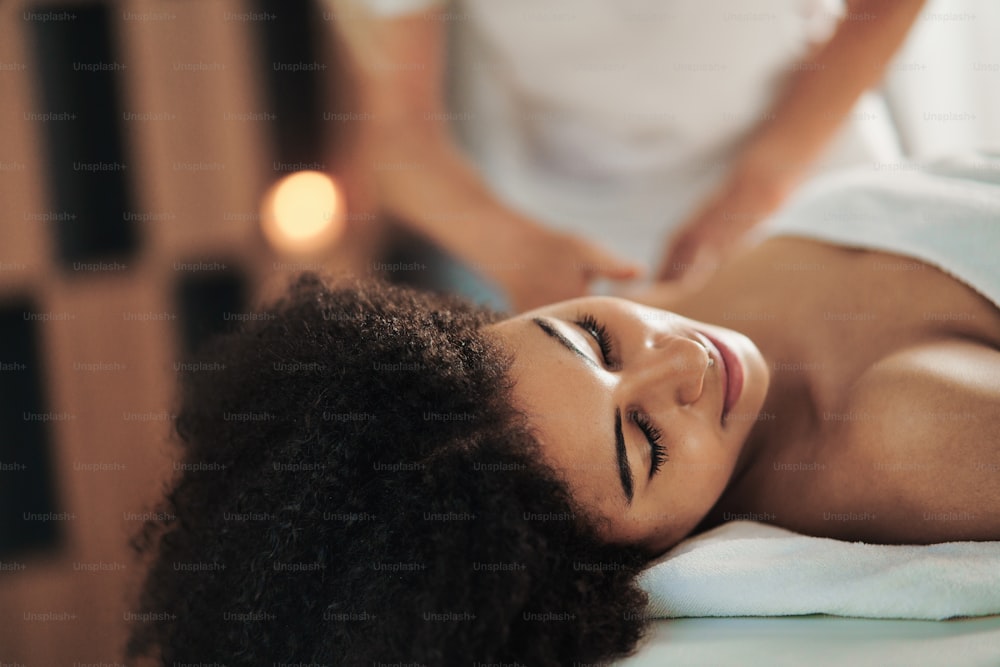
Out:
{"x": 356, "y": 487}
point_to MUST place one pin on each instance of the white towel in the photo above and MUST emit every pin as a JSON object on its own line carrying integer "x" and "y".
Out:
{"x": 945, "y": 213}
{"x": 745, "y": 568}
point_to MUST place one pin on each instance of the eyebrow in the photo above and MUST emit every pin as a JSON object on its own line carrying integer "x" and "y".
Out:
{"x": 565, "y": 342}
{"x": 624, "y": 469}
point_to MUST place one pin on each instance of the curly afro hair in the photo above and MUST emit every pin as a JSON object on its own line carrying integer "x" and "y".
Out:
{"x": 356, "y": 487}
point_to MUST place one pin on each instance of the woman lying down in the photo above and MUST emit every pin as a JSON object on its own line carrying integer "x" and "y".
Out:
{"x": 384, "y": 476}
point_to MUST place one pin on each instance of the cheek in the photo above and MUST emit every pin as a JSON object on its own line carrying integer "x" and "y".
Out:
{"x": 707, "y": 486}
{"x": 691, "y": 489}
{"x": 706, "y": 457}
{"x": 709, "y": 478}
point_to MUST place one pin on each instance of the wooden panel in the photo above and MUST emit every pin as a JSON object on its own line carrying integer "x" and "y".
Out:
{"x": 110, "y": 366}
{"x": 194, "y": 104}
{"x": 109, "y": 347}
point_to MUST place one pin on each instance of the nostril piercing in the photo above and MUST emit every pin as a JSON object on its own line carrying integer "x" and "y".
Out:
{"x": 711, "y": 359}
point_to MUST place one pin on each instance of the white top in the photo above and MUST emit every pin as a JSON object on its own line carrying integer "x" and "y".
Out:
{"x": 615, "y": 118}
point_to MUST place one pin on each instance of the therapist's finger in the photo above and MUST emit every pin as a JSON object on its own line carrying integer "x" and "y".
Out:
{"x": 679, "y": 259}
{"x": 694, "y": 264}
{"x": 595, "y": 262}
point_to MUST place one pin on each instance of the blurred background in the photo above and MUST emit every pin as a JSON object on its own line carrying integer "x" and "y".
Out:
{"x": 164, "y": 165}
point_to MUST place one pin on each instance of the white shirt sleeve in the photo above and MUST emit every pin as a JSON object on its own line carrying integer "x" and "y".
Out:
{"x": 387, "y": 8}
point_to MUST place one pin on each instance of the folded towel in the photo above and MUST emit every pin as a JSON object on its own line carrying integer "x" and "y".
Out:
{"x": 745, "y": 568}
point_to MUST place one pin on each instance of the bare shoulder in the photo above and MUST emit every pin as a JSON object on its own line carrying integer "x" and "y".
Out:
{"x": 924, "y": 423}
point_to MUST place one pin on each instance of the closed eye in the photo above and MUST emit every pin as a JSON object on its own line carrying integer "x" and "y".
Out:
{"x": 599, "y": 332}
{"x": 655, "y": 438}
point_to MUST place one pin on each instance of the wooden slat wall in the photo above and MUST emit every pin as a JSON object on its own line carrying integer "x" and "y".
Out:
{"x": 110, "y": 372}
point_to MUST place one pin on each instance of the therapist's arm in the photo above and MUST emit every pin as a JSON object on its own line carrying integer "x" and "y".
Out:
{"x": 806, "y": 114}
{"x": 423, "y": 179}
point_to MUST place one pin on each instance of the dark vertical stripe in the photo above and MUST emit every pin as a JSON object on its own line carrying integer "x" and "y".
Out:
{"x": 26, "y": 484}
{"x": 295, "y": 76}
{"x": 89, "y": 175}
{"x": 209, "y": 303}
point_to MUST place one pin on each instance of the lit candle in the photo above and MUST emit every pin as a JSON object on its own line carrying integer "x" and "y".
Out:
{"x": 303, "y": 213}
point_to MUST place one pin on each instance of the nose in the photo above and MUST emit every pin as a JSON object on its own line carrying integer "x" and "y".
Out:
{"x": 668, "y": 369}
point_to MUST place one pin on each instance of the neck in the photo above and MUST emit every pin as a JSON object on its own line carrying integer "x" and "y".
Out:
{"x": 787, "y": 420}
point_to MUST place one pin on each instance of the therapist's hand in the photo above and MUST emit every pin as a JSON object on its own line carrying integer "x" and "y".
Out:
{"x": 804, "y": 116}
{"x": 444, "y": 198}
{"x": 717, "y": 228}
{"x": 536, "y": 266}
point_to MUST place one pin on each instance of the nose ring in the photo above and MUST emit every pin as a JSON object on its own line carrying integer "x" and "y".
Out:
{"x": 711, "y": 359}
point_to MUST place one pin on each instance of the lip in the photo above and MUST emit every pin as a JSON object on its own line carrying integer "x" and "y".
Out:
{"x": 732, "y": 373}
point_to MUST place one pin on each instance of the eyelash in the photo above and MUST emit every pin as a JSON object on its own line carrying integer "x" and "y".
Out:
{"x": 600, "y": 333}
{"x": 655, "y": 436}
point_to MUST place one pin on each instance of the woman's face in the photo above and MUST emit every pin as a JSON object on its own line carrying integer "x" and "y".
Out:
{"x": 637, "y": 409}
